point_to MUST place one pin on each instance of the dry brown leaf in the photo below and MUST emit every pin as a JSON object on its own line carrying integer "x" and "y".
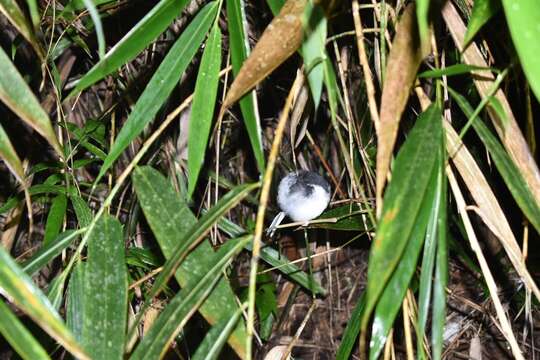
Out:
{"x": 403, "y": 62}
{"x": 510, "y": 134}
{"x": 279, "y": 41}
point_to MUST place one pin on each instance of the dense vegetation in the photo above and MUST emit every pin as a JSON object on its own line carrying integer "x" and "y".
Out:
{"x": 142, "y": 143}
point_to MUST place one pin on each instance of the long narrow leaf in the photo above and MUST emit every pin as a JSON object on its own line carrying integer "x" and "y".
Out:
{"x": 138, "y": 38}
{"x": 170, "y": 219}
{"x": 15, "y": 93}
{"x": 185, "y": 303}
{"x": 19, "y": 288}
{"x": 18, "y": 336}
{"x": 202, "y": 110}
{"x": 105, "y": 291}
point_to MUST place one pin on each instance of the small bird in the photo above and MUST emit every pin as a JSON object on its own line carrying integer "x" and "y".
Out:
{"x": 302, "y": 196}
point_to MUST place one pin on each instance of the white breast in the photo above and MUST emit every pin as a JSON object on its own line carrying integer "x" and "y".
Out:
{"x": 299, "y": 207}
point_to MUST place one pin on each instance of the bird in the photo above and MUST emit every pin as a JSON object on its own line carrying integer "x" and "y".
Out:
{"x": 302, "y": 196}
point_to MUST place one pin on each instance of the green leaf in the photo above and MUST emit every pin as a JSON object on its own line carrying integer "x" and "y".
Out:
{"x": 452, "y": 70}
{"x": 16, "y": 334}
{"x": 16, "y": 17}
{"x": 428, "y": 259}
{"x": 10, "y": 157}
{"x": 352, "y": 330}
{"x": 55, "y": 218}
{"x": 402, "y": 203}
{"x": 76, "y": 301}
{"x": 482, "y": 11}
{"x": 162, "y": 83}
{"x": 49, "y": 251}
{"x": 314, "y": 48}
{"x": 82, "y": 211}
{"x": 197, "y": 232}
{"x": 422, "y": 16}
{"x": 393, "y": 294}
{"x": 510, "y": 173}
{"x": 239, "y": 49}
{"x": 275, "y": 5}
{"x": 344, "y": 218}
{"x": 105, "y": 291}
{"x": 210, "y": 347}
{"x": 170, "y": 220}
{"x": 273, "y": 258}
{"x": 55, "y": 291}
{"x": 19, "y": 288}
{"x": 438, "y": 317}
{"x": 94, "y": 15}
{"x": 15, "y": 93}
{"x": 202, "y": 109}
{"x": 523, "y": 17}
{"x": 183, "y": 305}
{"x": 138, "y": 38}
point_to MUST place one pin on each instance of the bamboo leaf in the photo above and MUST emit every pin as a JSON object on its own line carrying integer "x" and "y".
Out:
{"x": 55, "y": 218}
{"x": 105, "y": 291}
{"x": 185, "y": 303}
{"x": 138, "y": 38}
{"x": 523, "y": 17}
{"x": 10, "y": 157}
{"x": 15, "y": 93}
{"x": 402, "y": 204}
{"x": 19, "y": 288}
{"x": 16, "y": 334}
{"x": 162, "y": 83}
{"x": 482, "y": 11}
{"x": 76, "y": 301}
{"x": 202, "y": 109}
{"x": 239, "y": 48}
{"x": 16, "y": 17}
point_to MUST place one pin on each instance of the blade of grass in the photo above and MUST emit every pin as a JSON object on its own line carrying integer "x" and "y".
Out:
{"x": 16, "y": 17}
{"x": 457, "y": 69}
{"x": 76, "y": 301}
{"x": 55, "y": 218}
{"x": 94, "y": 15}
{"x": 162, "y": 83}
{"x": 20, "y": 339}
{"x": 138, "y": 38}
{"x": 482, "y": 11}
{"x": 185, "y": 303}
{"x": 19, "y": 288}
{"x": 202, "y": 109}
{"x": 352, "y": 330}
{"x": 105, "y": 291}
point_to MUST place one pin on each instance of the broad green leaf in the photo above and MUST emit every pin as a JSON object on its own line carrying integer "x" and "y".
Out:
{"x": 422, "y": 16}
{"x": 15, "y": 93}
{"x": 16, "y": 334}
{"x": 138, "y": 38}
{"x": 451, "y": 70}
{"x": 402, "y": 203}
{"x": 505, "y": 165}
{"x": 19, "y": 288}
{"x": 314, "y": 48}
{"x": 76, "y": 301}
{"x": 482, "y": 11}
{"x": 34, "y": 12}
{"x": 10, "y": 157}
{"x": 350, "y": 334}
{"x": 275, "y": 5}
{"x": 394, "y": 292}
{"x": 105, "y": 291}
{"x": 55, "y": 218}
{"x": 239, "y": 48}
{"x": 202, "y": 109}
{"x": 16, "y": 17}
{"x": 176, "y": 314}
{"x": 170, "y": 219}
{"x": 210, "y": 347}
{"x": 49, "y": 251}
{"x": 523, "y": 17}
{"x": 162, "y": 83}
